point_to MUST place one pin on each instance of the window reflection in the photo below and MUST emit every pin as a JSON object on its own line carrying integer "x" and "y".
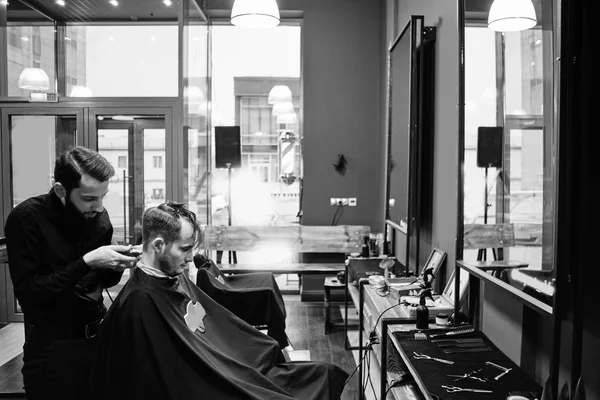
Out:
{"x": 247, "y": 64}
{"x": 507, "y": 86}
{"x": 52, "y": 136}
{"x": 122, "y": 61}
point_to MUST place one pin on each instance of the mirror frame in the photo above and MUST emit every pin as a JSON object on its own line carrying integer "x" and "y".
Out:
{"x": 414, "y": 31}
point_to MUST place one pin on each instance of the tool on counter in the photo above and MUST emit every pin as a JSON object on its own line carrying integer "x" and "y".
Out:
{"x": 500, "y": 367}
{"x": 448, "y": 345}
{"x": 453, "y": 389}
{"x": 470, "y": 375}
{"x": 467, "y": 350}
{"x": 459, "y": 331}
{"x": 461, "y": 340}
{"x": 418, "y": 356}
{"x": 420, "y": 335}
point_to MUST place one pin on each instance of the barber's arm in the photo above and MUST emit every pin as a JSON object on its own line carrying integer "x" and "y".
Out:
{"x": 35, "y": 285}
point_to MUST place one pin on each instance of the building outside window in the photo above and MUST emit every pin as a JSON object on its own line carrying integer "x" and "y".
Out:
{"x": 157, "y": 161}
{"x": 247, "y": 64}
{"x": 158, "y": 194}
{"x": 122, "y": 162}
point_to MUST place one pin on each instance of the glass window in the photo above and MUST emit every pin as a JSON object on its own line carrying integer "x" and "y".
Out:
{"x": 30, "y": 47}
{"x": 157, "y": 161}
{"x": 196, "y": 104}
{"x": 123, "y": 61}
{"x": 52, "y": 135}
{"x": 265, "y": 191}
{"x": 509, "y": 86}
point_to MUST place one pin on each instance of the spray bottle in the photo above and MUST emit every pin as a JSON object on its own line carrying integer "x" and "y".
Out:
{"x": 422, "y": 310}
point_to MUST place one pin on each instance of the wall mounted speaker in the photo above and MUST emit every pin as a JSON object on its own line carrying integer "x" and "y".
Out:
{"x": 489, "y": 146}
{"x": 228, "y": 148}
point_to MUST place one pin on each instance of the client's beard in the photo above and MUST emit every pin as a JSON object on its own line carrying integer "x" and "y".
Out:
{"x": 165, "y": 266}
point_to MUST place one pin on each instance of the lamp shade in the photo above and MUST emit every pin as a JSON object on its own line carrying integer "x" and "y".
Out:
{"x": 511, "y": 15}
{"x": 80, "y": 91}
{"x": 34, "y": 79}
{"x": 255, "y": 13}
{"x": 280, "y": 94}
{"x": 283, "y": 108}
{"x": 287, "y": 118}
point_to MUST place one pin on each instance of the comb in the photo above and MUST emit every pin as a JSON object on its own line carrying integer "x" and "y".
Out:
{"x": 474, "y": 344}
{"x": 467, "y": 350}
{"x": 459, "y": 340}
{"x": 459, "y": 331}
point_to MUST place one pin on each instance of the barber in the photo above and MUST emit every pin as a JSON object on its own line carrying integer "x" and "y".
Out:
{"x": 60, "y": 260}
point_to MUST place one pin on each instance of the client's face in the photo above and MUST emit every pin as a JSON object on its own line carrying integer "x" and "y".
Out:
{"x": 178, "y": 254}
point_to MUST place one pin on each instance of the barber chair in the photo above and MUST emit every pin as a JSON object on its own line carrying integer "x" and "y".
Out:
{"x": 253, "y": 297}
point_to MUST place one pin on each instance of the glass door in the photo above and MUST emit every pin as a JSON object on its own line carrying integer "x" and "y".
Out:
{"x": 30, "y": 134}
{"x": 136, "y": 148}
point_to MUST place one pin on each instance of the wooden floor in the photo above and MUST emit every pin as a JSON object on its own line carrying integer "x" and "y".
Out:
{"x": 305, "y": 328}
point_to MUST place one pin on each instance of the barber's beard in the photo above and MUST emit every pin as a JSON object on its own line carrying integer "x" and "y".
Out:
{"x": 75, "y": 217}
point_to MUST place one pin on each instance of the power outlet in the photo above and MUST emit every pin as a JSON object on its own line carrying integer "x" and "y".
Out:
{"x": 352, "y": 201}
{"x": 344, "y": 201}
{"x": 333, "y": 201}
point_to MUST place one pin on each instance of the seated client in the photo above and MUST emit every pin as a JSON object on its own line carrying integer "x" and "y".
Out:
{"x": 164, "y": 338}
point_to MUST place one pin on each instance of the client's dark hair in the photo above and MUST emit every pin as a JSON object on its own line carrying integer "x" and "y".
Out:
{"x": 164, "y": 220}
{"x": 71, "y": 165}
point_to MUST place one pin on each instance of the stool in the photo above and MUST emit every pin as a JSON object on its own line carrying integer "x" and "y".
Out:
{"x": 331, "y": 282}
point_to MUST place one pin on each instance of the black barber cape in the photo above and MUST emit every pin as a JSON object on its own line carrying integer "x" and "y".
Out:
{"x": 146, "y": 350}
{"x": 254, "y": 297}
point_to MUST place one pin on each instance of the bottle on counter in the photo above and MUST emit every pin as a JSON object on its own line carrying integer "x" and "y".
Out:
{"x": 422, "y": 310}
{"x": 365, "y": 247}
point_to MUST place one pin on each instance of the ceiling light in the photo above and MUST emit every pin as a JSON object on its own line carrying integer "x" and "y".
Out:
{"x": 24, "y": 38}
{"x": 511, "y": 15}
{"x": 287, "y": 118}
{"x": 255, "y": 13}
{"x": 4, "y": 2}
{"x": 280, "y": 94}
{"x": 167, "y": 2}
{"x": 114, "y": 2}
{"x": 67, "y": 38}
{"x": 34, "y": 79}
{"x": 112, "y": 39}
{"x": 80, "y": 91}
{"x": 122, "y": 118}
{"x": 60, "y": 2}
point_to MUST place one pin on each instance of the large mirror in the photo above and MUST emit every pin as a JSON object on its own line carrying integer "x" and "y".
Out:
{"x": 410, "y": 85}
{"x": 510, "y": 150}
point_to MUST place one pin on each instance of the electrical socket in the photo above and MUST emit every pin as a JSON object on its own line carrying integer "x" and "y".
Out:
{"x": 352, "y": 201}
{"x": 333, "y": 201}
{"x": 344, "y": 201}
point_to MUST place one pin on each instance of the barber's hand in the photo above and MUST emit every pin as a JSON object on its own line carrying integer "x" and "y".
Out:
{"x": 110, "y": 257}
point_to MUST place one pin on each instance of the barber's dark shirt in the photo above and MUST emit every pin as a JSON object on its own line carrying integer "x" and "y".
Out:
{"x": 45, "y": 249}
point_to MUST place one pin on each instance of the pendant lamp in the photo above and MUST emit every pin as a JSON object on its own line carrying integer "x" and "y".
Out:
{"x": 255, "y": 13}
{"x": 280, "y": 94}
{"x": 511, "y": 15}
{"x": 34, "y": 79}
{"x": 283, "y": 108}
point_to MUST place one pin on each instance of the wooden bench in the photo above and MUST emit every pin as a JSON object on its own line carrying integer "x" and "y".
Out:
{"x": 342, "y": 239}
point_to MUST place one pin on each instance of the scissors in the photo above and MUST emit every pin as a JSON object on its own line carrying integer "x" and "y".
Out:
{"x": 418, "y": 356}
{"x": 453, "y": 389}
{"x": 470, "y": 375}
